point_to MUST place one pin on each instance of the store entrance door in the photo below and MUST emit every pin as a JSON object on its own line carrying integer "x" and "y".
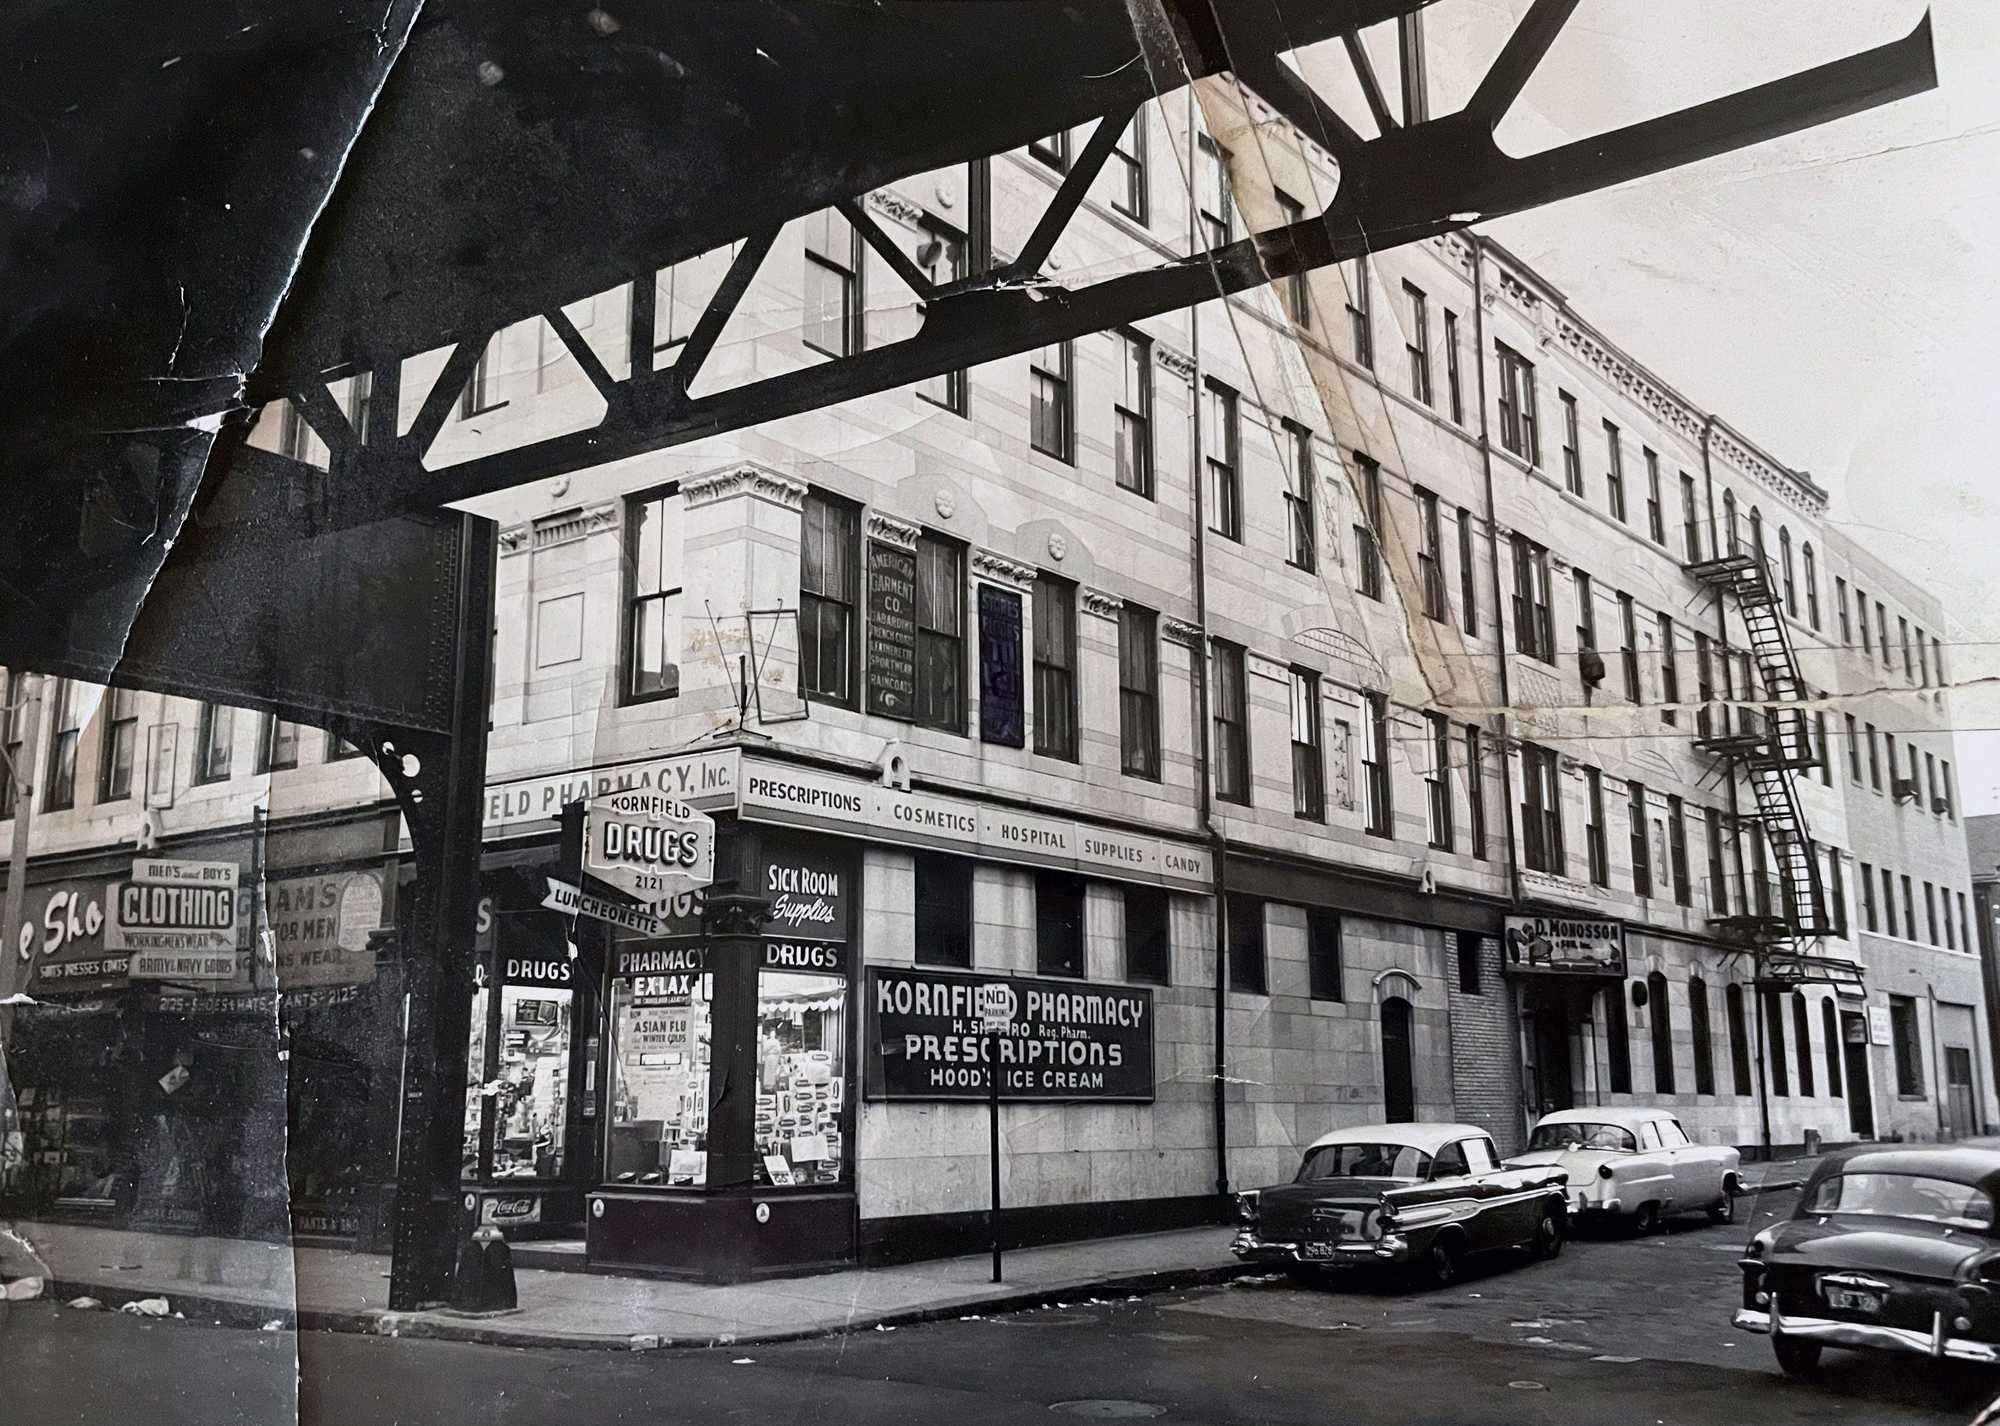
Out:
{"x": 1958, "y": 1111}
{"x": 1860, "y": 1092}
{"x": 1551, "y": 1033}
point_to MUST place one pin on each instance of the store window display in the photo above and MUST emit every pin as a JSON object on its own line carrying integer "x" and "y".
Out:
{"x": 801, "y": 1078}
{"x": 660, "y": 1052}
{"x": 531, "y": 1090}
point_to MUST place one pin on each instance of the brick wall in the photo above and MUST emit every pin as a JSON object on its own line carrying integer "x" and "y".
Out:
{"x": 1486, "y": 1048}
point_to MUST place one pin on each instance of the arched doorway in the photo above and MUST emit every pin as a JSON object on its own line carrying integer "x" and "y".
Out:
{"x": 1399, "y": 1094}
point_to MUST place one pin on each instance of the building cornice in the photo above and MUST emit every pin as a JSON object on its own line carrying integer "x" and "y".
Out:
{"x": 700, "y": 490}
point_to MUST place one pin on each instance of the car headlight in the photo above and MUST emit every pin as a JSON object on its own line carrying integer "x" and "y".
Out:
{"x": 1246, "y": 1207}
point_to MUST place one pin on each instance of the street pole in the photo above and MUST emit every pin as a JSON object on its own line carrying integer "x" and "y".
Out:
{"x": 13, "y": 965}
{"x": 993, "y": 1134}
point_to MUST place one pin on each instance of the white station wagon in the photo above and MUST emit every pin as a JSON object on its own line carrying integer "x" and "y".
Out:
{"x": 1634, "y": 1164}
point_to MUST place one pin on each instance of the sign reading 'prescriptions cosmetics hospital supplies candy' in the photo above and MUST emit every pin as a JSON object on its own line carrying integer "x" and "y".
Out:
{"x": 928, "y": 1038}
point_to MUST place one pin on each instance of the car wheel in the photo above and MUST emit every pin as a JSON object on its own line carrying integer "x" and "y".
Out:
{"x": 1796, "y": 1358}
{"x": 1549, "y": 1234}
{"x": 1440, "y": 1263}
{"x": 1725, "y": 1211}
{"x": 1647, "y": 1221}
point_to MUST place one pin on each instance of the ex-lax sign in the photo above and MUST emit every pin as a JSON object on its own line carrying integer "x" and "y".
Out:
{"x": 647, "y": 844}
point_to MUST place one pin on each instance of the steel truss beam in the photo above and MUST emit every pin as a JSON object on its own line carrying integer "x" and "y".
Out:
{"x": 1409, "y": 183}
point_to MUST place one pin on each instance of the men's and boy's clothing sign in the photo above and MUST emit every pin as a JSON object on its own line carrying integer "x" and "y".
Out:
{"x": 178, "y": 919}
{"x": 1066, "y": 1040}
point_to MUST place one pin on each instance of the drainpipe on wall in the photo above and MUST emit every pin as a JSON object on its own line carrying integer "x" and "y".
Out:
{"x": 1218, "y": 844}
{"x": 1500, "y": 631}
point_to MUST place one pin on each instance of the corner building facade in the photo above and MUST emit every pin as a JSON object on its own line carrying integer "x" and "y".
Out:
{"x": 1236, "y": 691}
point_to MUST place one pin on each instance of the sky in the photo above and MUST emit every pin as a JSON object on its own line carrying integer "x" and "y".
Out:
{"x": 1832, "y": 294}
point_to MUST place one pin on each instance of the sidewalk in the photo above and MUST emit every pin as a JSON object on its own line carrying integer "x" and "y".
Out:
{"x": 323, "y": 1288}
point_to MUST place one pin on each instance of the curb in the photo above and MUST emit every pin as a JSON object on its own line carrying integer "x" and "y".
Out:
{"x": 435, "y": 1326}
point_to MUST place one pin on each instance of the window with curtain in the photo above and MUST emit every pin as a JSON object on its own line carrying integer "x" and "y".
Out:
{"x": 1049, "y": 395}
{"x": 829, "y": 580}
{"x": 1055, "y": 667}
{"x": 940, "y": 700}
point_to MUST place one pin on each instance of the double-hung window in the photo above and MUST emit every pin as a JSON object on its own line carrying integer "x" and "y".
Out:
{"x": 1293, "y": 290}
{"x": 215, "y": 743}
{"x": 1134, "y": 413}
{"x": 1534, "y": 626}
{"x": 1050, "y": 392}
{"x": 1138, "y": 691}
{"x": 1221, "y": 443}
{"x": 1642, "y": 848}
{"x": 1437, "y": 783}
{"x": 1595, "y": 836}
{"x": 1518, "y": 420}
{"x": 121, "y": 744}
{"x": 1628, "y": 650}
{"x": 1231, "y": 723}
{"x": 1055, "y": 668}
{"x": 1430, "y": 556}
{"x": 1215, "y": 205}
{"x": 1614, "y": 473}
{"x": 1128, "y": 156}
{"x": 653, "y": 581}
{"x": 1300, "y": 477}
{"x": 1368, "y": 529}
{"x": 1690, "y": 519}
{"x": 277, "y": 744}
{"x": 1453, "y": 380}
{"x": 940, "y": 701}
{"x": 1361, "y": 313}
{"x": 1468, "y": 580}
{"x": 1670, "y": 673}
{"x": 1541, "y": 810}
{"x": 1572, "y": 445}
{"x": 1475, "y": 788}
{"x": 1417, "y": 343}
{"x": 1656, "y": 510}
{"x": 1586, "y": 625}
{"x": 1677, "y": 852}
{"x": 67, "y": 722}
{"x": 829, "y": 582}
{"x": 832, "y": 285}
{"x": 1308, "y": 756}
{"x": 1380, "y": 813}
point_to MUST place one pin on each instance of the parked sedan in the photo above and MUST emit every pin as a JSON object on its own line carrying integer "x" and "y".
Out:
{"x": 1423, "y": 1197}
{"x": 1634, "y": 1165}
{"x": 1890, "y": 1249}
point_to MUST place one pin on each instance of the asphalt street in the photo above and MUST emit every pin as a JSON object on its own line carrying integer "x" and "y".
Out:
{"x": 1616, "y": 1330}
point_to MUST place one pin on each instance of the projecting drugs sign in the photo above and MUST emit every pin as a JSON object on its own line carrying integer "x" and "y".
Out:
{"x": 928, "y": 1038}
{"x": 647, "y": 844}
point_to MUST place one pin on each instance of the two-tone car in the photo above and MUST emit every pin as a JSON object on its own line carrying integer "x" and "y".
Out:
{"x": 1634, "y": 1167}
{"x": 1418, "y": 1197}
{"x": 1891, "y": 1249}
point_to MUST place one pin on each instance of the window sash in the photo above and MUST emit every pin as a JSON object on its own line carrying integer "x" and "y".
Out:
{"x": 1380, "y": 811}
{"x": 1049, "y": 396}
{"x": 1220, "y": 439}
{"x": 1055, "y": 668}
{"x": 1308, "y": 757}
{"x": 830, "y": 557}
{"x": 940, "y": 700}
{"x": 1300, "y": 478}
{"x": 1438, "y": 804}
{"x": 1230, "y": 717}
{"x": 1134, "y": 411}
{"x": 1130, "y": 151}
{"x": 1453, "y": 380}
{"x": 1418, "y": 344}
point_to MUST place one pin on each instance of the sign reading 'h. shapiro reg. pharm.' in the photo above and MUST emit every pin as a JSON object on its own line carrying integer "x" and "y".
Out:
{"x": 935, "y": 1035}
{"x": 1565, "y": 945}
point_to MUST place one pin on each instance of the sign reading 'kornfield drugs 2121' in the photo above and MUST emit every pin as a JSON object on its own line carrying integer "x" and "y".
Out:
{"x": 927, "y": 1037}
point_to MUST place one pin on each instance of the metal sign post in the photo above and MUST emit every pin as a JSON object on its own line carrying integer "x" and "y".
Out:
{"x": 996, "y": 1013}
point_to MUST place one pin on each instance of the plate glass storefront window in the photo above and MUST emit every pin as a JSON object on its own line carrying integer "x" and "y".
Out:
{"x": 475, "y": 1077}
{"x": 658, "y": 1129}
{"x": 531, "y": 1106}
{"x": 801, "y": 1078}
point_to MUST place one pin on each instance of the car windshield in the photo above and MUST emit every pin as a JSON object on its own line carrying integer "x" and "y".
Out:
{"x": 1583, "y": 1136}
{"x": 1904, "y": 1195}
{"x": 1364, "y": 1161}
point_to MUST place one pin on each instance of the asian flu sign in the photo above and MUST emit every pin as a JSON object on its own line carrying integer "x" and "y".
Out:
{"x": 647, "y": 844}
{"x": 178, "y": 919}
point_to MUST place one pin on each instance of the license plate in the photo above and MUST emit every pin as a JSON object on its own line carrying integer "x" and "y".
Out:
{"x": 1318, "y": 1251}
{"x": 1848, "y": 1300}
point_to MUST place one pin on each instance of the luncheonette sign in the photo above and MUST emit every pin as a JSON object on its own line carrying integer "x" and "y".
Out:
{"x": 928, "y": 1037}
{"x": 1565, "y": 945}
{"x": 647, "y": 844}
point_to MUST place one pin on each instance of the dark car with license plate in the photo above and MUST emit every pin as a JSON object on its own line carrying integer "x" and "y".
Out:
{"x": 1891, "y": 1249}
{"x": 1422, "y": 1197}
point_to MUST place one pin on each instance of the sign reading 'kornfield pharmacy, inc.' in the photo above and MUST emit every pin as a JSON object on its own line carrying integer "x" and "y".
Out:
{"x": 1565, "y": 945}
{"x": 927, "y": 1037}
